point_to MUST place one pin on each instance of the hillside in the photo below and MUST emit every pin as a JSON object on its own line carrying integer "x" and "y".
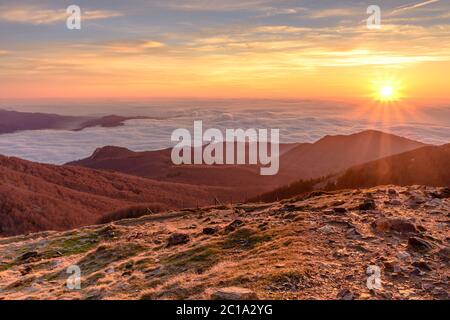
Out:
{"x": 36, "y": 197}
{"x": 427, "y": 166}
{"x": 158, "y": 165}
{"x": 315, "y": 248}
{"x": 333, "y": 154}
{"x": 297, "y": 161}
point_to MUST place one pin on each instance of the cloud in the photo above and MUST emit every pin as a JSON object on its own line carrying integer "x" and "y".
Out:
{"x": 413, "y": 6}
{"x": 328, "y": 13}
{"x": 40, "y": 16}
{"x": 215, "y": 5}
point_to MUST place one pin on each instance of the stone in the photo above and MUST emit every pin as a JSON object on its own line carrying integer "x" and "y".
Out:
{"x": 28, "y": 255}
{"x": 444, "y": 253}
{"x": 327, "y": 229}
{"x": 340, "y": 210}
{"x": 234, "y": 293}
{"x": 209, "y": 231}
{"x": 368, "y": 204}
{"x": 401, "y": 226}
{"x": 345, "y": 294}
{"x": 393, "y": 202}
{"x": 403, "y": 255}
{"x": 418, "y": 244}
{"x": 392, "y": 192}
{"x": 234, "y": 225}
{"x": 176, "y": 239}
{"x": 422, "y": 265}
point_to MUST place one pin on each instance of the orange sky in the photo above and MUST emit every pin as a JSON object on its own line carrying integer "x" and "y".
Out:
{"x": 329, "y": 54}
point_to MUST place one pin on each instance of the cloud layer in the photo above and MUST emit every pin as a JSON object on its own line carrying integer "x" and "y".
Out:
{"x": 298, "y": 122}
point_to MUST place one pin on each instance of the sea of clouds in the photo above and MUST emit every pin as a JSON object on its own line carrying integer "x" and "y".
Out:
{"x": 298, "y": 121}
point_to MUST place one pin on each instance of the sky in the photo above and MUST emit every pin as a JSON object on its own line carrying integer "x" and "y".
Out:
{"x": 225, "y": 49}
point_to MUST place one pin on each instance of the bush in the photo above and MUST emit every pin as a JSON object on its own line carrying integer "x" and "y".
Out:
{"x": 134, "y": 211}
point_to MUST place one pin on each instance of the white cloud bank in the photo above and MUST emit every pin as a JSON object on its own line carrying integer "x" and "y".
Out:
{"x": 297, "y": 121}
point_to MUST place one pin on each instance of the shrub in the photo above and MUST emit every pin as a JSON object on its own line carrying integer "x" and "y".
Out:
{"x": 134, "y": 211}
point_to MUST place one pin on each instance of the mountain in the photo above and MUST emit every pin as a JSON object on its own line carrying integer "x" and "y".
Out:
{"x": 315, "y": 248}
{"x": 12, "y": 121}
{"x": 158, "y": 165}
{"x": 36, "y": 197}
{"x": 426, "y": 166}
{"x": 333, "y": 154}
{"x": 329, "y": 155}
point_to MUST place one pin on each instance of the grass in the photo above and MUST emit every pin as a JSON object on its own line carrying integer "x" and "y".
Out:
{"x": 197, "y": 259}
{"x": 245, "y": 238}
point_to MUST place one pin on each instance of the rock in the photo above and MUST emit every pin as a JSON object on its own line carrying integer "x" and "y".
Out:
{"x": 443, "y": 193}
{"x": 422, "y": 265}
{"x": 234, "y": 225}
{"x": 368, "y": 204}
{"x": 209, "y": 231}
{"x": 177, "y": 239}
{"x": 393, "y": 202}
{"x": 414, "y": 202}
{"x": 391, "y": 267}
{"x": 433, "y": 203}
{"x": 392, "y": 192}
{"x": 234, "y": 293}
{"x": 403, "y": 255}
{"x": 353, "y": 234}
{"x": 401, "y": 226}
{"x": 418, "y": 244}
{"x": 444, "y": 253}
{"x": 28, "y": 255}
{"x": 345, "y": 294}
{"x": 340, "y": 210}
{"x": 327, "y": 229}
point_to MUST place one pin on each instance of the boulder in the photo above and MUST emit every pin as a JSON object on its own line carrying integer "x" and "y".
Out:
{"x": 401, "y": 226}
{"x": 209, "y": 231}
{"x": 368, "y": 204}
{"x": 234, "y": 293}
{"x": 418, "y": 244}
{"x": 177, "y": 239}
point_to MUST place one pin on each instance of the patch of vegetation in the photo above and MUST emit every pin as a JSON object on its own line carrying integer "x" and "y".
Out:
{"x": 197, "y": 259}
{"x": 130, "y": 212}
{"x": 290, "y": 281}
{"x": 105, "y": 255}
{"x": 244, "y": 238}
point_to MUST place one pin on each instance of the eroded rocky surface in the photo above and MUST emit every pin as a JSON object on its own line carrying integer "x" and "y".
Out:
{"x": 316, "y": 247}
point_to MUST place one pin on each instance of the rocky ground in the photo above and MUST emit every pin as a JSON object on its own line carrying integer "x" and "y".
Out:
{"x": 315, "y": 247}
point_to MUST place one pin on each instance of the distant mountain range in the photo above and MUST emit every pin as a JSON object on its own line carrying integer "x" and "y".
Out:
{"x": 12, "y": 121}
{"x": 35, "y": 197}
{"x": 329, "y": 155}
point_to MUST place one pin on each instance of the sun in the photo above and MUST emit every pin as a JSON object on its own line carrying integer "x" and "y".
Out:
{"x": 386, "y": 93}
{"x": 387, "y": 90}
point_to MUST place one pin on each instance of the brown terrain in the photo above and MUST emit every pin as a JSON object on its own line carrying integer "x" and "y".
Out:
{"x": 331, "y": 154}
{"x": 428, "y": 165}
{"x": 315, "y": 247}
{"x": 36, "y": 197}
